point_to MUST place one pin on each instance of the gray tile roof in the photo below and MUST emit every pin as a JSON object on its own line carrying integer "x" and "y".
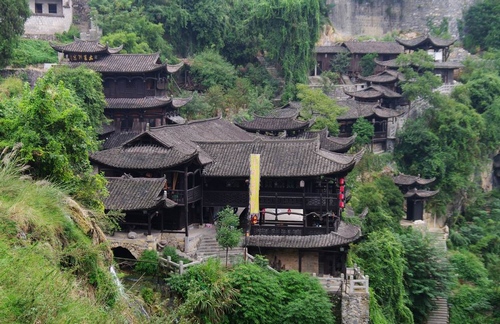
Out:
{"x": 387, "y": 76}
{"x": 273, "y": 124}
{"x": 137, "y": 103}
{"x": 358, "y": 109}
{"x": 124, "y": 63}
{"x": 279, "y": 158}
{"x": 374, "y": 92}
{"x": 126, "y": 193}
{"x": 87, "y": 47}
{"x": 416, "y": 42}
{"x": 346, "y": 233}
{"x": 142, "y": 157}
{"x": 330, "y": 49}
{"x": 179, "y": 102}
{"x": 118, "y": 138}
{"x": 409, "y": 180}
{"x": 414, "y": 193}
{"x": 374, "y": 47}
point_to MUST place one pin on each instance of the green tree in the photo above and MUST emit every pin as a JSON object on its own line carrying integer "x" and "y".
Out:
{"x": 427, "y": 273}
{"x": 381, "y": 256}
{"x": 340, "y": 63}
{"x": 367, "y": 64}
{"x": 364, "y": 131}
{"x": 13, "y": 14}
{"x": 290, "y": 30}
{"x": 147, "y": 263}
{"x": 418, "y": 71}
{"x": 56, "y": 138}
{"x": 87, "y": 87}
{"x": 228, "y": 234}
{"x": 316, "y": 105}
{"x": 481, "y": 26}
{"x": 209, "y": 69}
{"x": 206, "y": 291}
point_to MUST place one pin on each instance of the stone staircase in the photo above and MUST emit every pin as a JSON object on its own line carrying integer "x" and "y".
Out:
{"x": 440, "y": 315}
{"x": 209, "y": 247}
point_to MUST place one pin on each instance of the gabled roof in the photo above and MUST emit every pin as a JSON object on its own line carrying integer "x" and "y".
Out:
{"x": 409, "y": 180}
{"x": 118, "y": 138}
{"x": 359, "y": 109}
{"x": 389, "y": 63}
{"x": 374, "y": 92}
{"x": 85, "y": 47}
{"x": 425, "y": 41}
{"x": 137, "y": 103}
{"x": 333, "y": 49}
{"x": 127, "y": 193}
{"x": 346, "y": 233}
{"x": 279, "y": 158}
{"x": 387, "y": 76}
{"x": 125, "y": 63}
{"x": 142, "y": 157}
{"x": 414, "y": 193}
{"x": 373, "y": 47}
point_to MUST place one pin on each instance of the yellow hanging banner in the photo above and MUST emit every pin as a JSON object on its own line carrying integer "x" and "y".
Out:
{"x": 254, "y": 183}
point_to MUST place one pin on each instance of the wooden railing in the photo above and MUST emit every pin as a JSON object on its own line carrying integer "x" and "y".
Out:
{"x": 178, "y": 267}
{"x": 193, "y": 194}
{"x": 356, "y": 281}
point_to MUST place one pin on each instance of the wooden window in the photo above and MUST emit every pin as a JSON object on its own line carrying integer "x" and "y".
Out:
{"x": 52, "y": 8}
{"x": 38, "y": 8}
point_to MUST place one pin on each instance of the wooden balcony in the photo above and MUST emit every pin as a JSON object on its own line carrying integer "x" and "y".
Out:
{"x": 277, "y": 230}
{"x": 193, "y": 195}
{"x": 269, "y": 199}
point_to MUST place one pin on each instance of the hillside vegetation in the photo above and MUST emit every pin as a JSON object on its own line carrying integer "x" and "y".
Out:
{"x": 51, "y": 270}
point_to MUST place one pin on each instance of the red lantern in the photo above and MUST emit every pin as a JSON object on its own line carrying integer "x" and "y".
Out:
{"x": 254, "y": 219}
{"x": 289, "y": 211}
{"x": 342, "y": 189}
{"x": 341, "y": 196}
{"x": 341, "y": 181}
{"x": 341, "y": 204}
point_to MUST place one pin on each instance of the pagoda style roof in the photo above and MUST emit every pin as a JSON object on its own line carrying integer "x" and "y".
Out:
{"x": 425, "y": 41}
{"x": 172, "y": 68}
{"x": 85, "y": 47}
{"x": 125, "y": 63}
{"x": 374, "y": 92}
{"x": 415, "y": 193}
{"x": 374, "y": 47}
{"x": 331, "y": 143}
{"x": 127, "y": 193}
{"x": 179, "y": 102}
{"x": 142, "y": 157}
{"x": 290, "y": 110}
{"x": 409, "y": 180}
{"x": 387, "y": 76}
{"x": 275, "y": 122}
{"x": 366, "y": 109}
{"x": 389, "y": 63}
{"x": 345, "y": 234}
{"x": 137, "y": 103}
{"x": 332, "y": 49}
{"x": 278, "y": 158}
{"x": 392, "y": 64}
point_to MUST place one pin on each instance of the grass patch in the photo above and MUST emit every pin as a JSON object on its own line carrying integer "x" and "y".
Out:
{"x": 31, "y": 52}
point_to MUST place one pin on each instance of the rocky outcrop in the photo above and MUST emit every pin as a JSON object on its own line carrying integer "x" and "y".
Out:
{"x": 379, "y": 17}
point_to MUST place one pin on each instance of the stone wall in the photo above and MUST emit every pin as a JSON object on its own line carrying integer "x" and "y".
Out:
{"x": 379, "y": 17}
{"x": 355, "y": 308}
{"x": 49, "y": 24}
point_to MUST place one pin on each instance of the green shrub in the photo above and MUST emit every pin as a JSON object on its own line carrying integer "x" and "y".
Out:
{"x": 148, "y": 295}
{"x": 33, "y": 51}
{"x": 147, "y": 263}
{"x": 170, "y": 251}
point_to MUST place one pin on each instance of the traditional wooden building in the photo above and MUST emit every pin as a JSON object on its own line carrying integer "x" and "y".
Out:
{"x": 135, "y": 85}
{"x": 383, "y": 120}
{"x": 380, "y": 94}
{"x": 415, "y": 198}
{"x": 438, "y": 48}
{"x": 203, "y": 167}
{"x": 388, "y": 78}
{"x": 445, "y": 69}
{"x": 384, "y": 50}
{"x": 324, "y": 56}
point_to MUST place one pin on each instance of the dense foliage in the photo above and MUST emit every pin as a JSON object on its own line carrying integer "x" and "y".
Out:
{"x": 228, "y": 235}
{"x": 31, "y": 52}
{"x": 50, "y": 272}
{"x": 248, "y": 293}
{"x": 481, "y": 26}
{"x": 56, "y": 133}
{"x": 13, "y": 14}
